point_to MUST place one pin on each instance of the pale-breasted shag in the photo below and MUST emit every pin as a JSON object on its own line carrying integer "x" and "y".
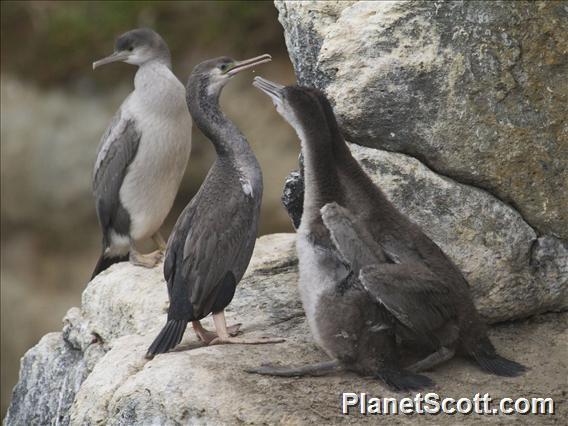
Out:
{"x": 143, "y": 154}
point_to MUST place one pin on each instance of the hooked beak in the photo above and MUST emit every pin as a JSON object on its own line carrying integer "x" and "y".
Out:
{"x": 115, "y": 57}
{"x": 272, "y": 89}
{"x": 248, "y": 63}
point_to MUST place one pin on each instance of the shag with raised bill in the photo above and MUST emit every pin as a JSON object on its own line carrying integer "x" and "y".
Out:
{"x": 213, "y": 239}
{"x": 369, "y": 276}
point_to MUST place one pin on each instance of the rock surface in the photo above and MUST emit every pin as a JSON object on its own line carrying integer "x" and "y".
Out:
{"x": 475, "y": 90}
{"x": 293, "y": 194}
{"x": 50, "y": 376}
{"x": 94, "y": 372}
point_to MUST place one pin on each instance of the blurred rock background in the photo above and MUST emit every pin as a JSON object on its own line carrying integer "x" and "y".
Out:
{"x": 54, "y": 109}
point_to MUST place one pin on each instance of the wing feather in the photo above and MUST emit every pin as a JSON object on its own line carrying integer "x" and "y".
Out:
{"x": 117, "y": 150}
{"x": 413, "y": 294}
{"x": 355, "y": 245}
{"x": 213, "y": 247}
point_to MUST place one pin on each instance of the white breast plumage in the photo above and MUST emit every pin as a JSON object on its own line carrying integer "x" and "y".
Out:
{"x": 153, "y": 178}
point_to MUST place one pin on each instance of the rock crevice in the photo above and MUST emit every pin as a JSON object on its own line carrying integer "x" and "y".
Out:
{"x": 467, "y": 182}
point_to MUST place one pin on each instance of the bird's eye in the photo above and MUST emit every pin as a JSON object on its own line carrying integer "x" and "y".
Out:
{"x": 131, "y": 48}
{"x": 224, "y": 67}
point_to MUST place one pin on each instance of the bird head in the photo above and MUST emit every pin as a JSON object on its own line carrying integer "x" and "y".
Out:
{"x": 215, "y": 73}
{"x": 137, "y": 47}
{"x": 295, "y": 104}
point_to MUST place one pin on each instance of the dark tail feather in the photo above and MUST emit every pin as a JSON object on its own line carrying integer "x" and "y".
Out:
{"x": 490, "y": 361}
{"x": 106, "y": 262}
{"x": 168, "y": 338}
{"x": 403, "y": 381}
{"x": 500, "y": 366}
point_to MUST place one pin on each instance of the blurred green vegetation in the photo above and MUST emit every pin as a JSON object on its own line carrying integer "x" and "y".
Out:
{"x": 55, "y": 42}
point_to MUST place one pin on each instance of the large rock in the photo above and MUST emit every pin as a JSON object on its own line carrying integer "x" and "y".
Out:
{"x": 50, "y": 376}
{"x": 122, "y": 310}
{"x": 476, "y": 90}
{"x": 95, "y": 371}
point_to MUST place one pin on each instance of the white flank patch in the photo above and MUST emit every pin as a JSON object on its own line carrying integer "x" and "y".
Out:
{"x": 247, "y": 187}
{"x": 119, "y": 244}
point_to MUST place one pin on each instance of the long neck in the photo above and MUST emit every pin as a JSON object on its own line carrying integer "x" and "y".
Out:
{"x": 158, "y": 90}
{"x": 322, "y": 182}
{"x": 150, "y": 66}
{"x": 331, "y": 172}
{"x": 229, "y": 142}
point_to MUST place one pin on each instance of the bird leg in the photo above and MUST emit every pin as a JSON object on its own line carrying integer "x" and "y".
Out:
{"x": 207, "y": 336}
{"x": 160, "y": 242}
{"x": 223, "y": 336}
{"x": 151, "y": 259}
{"x": 146, "y": 260}
{"x": 442, "y": 355}
{"x": 318, "y": 369}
